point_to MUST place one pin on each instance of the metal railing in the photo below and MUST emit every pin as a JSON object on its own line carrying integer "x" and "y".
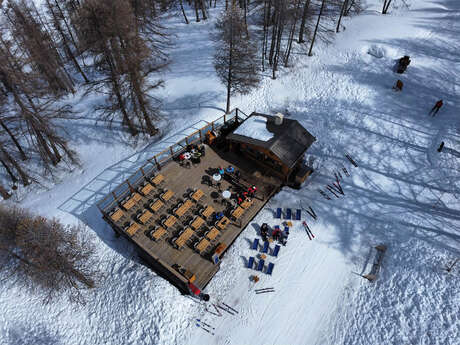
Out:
{"x": 155, "y": 163}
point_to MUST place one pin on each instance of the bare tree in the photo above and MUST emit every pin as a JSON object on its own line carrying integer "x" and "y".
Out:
{"x": 235, "y": 57}
{"x": 46, "y": 255}
{"x": 310, "y": 52}
{"x": 112, "y": 32}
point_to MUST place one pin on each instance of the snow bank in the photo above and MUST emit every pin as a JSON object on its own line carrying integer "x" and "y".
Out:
{"x": 255, "y": 127}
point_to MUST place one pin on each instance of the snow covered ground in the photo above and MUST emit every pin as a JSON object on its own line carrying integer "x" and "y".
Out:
{"x": 403, "y": 194}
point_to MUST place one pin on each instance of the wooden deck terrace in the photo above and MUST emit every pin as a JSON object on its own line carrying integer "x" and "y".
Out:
{"x": 165, "y": 214}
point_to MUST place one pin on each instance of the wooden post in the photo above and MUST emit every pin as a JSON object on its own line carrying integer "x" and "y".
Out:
{"x": 225, "y": 118}
{"x": 143, "y": 172}
{"x": 201, "y": 139}
{"x": 130, "y": 187}
{"x": 156, "y": 162}
{"x": 236, "y": 116}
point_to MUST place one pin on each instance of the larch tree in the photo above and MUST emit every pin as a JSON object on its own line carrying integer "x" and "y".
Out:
{"x": 46, "y": 255}
{"x": 126, "y": 57}
{"x": 235, "y": 59}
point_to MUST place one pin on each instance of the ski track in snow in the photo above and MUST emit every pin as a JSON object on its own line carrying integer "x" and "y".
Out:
{"x": 403, "y": 194}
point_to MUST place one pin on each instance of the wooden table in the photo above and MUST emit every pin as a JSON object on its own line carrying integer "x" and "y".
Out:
{"x": 213, "y": 233}
{"x": 223, "y": 223}
{"x": 202, "y": 245}
{"x": 167, "y": 195}
{"x": 133, "y": 229}
{"x": 135, "y": 197}
{"x": 157, "y": 179}
{"x": 145, "y": 216}
{"x": 184, "y": 237}
{"x": 207, "y": 212}
{"x": 197, "y": 223}
{"x": 115, "y": 216}
{"x": 238, "y": 212}
{"x": 197, "y": 195}
{"x": 170, "y": 221}
{"x": 147, "y": 189}
{"x": 155, "y": 206}
{"x": 246, "y": 203}
{"x": 158, "y": 233}
{"x": 184, "y": 208}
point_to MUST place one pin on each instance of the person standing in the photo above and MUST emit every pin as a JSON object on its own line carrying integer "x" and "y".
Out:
{"x": 441, "y": 146}
{"x": 436, "y": 108}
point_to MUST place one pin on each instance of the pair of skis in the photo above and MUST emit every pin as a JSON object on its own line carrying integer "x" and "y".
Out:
{"x": 309, "y": 211}
{"x": 205, "y": 326}
{"x": 351, "y": 160}
{"x": 264, "y": 290}
{"x": 307, "y": 230}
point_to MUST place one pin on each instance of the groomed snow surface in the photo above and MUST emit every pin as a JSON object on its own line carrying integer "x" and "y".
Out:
{"x": 403, "y": 194}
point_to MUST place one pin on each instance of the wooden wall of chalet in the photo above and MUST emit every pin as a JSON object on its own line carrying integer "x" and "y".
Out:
{"x": 276, "y": 167}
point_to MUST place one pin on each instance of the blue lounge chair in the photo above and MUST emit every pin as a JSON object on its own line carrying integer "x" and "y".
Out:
{"x": 251, "y": 262}
{"x": 288, "y": 213}
{"x": 261, "y": 264}
{"x": 265, "y": 248}
{"x": 276, "y": 250}
{"x": 298, "y": 214}
{"x": 278, "y": 213}
{"x": 255, "y": 244}
{"x": 270, "y": 268}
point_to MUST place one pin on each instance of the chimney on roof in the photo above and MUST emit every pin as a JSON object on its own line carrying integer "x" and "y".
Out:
{"x": 279, "y": 119}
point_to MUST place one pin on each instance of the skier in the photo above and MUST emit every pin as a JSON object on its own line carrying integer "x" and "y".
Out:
{"x": 441, "y": 146}
{"x": 436, "y": 108}
{"x": 399, "y": 85}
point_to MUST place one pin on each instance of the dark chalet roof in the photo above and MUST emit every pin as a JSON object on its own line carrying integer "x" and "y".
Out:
{"x": 290, "y": 139}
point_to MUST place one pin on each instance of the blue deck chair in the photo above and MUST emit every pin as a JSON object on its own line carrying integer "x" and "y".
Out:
{"x": 298, "y": 214}
{"x": 288, "y": 213}
{"x": 261, "y": 264}
{"x": 270, "y": 268}
{"x": 255, "y": 244}
{"x": 265, "y": 248}
{"x": 251, "y": 262}
{"x": 276, "y": 250}
{"x": 278, "y": 213}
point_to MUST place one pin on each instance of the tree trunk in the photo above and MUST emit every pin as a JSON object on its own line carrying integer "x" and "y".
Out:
{"x": 4, "y": 193}
{"x": 22, "y": 174}
{"x": 16, "y": 143}
{"x": 291, "y": 34}
{"x": 196, "y": 11}
{"x": 8, "y": 170}
{"x": 316, "y": 28}
{"x": 203, "y": 9}
{"x": 304, "y": 20}
{"x": 342, "y": 12}
{"x": 386, "y": 5}
{"x": 183, "y": 12}
{"x": 230, "y": 66}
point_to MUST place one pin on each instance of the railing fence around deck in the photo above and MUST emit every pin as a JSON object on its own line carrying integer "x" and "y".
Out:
{"x": 154, "y": 164}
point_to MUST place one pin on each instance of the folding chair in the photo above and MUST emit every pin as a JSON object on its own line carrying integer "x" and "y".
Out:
{"x": 276, "y": 250}
{"x": 261, "y": 264}
{"x": 288, "y": 214}
{"x": 251, "y": 262}
{"x": 278, "y": 213}
{"x": 255, "y": 244}
{"x": 265, "y": 248}
{"x": 270, "y": 268}
{"x": 298, "y": 214}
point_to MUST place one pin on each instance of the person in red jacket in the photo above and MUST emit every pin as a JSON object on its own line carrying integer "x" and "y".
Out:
{"x": 436, "y": 108}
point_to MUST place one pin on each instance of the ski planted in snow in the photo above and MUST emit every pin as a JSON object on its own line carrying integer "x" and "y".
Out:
{"x": 204, "y": 328}
{"x": 327, "y": 197}
{"x": 310, "y": 211}
{"x": 206, "y": 324}
{"x": 329, "y": 188}
{"x": 345, "y": 171}
{"x": 351, "y": 160}
{"x": 308, "y": 231}
{"x": 232, "y": 309}
{"x": 226, "y": 309}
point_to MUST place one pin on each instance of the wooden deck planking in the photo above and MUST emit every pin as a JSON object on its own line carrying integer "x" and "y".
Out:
{"x": 178, "y": 180}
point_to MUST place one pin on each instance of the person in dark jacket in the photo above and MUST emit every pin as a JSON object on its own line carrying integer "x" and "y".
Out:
{"x": 436, "y": 108}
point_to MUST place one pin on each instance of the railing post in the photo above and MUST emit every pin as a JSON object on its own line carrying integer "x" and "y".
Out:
{"x": 225, "y": 118}
{"x": 236, "y": 116}
{"x": 156, "y": 162}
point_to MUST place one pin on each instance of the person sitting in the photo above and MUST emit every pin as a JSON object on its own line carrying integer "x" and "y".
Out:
{"x": 239, "y": 200}
{"x": 181, "y": 157}
{"x": 264, "y": 231}
{"x": 230, "y": 169}
{"x": 221, "y": 170}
